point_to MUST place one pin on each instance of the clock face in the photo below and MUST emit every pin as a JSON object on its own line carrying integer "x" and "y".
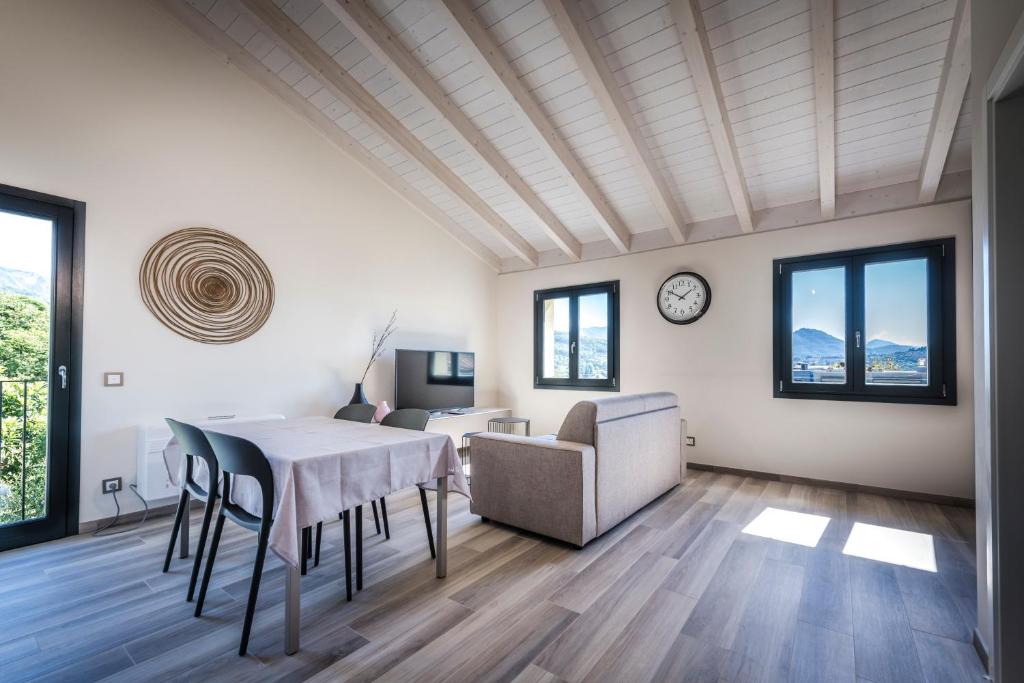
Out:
{"x": 684, "y": 298}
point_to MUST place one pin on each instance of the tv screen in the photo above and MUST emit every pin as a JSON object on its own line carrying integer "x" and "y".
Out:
{"x": 434, "y": 380}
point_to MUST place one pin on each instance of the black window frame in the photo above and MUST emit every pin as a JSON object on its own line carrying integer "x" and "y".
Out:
{"x": 573, "y": 293}
{"x": 941, "y": 264}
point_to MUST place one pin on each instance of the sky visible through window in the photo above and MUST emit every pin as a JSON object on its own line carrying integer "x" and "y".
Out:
{"x": 895, "y": 301}
{"x": 25, "y": 243}
{"x": 593, "y": 313}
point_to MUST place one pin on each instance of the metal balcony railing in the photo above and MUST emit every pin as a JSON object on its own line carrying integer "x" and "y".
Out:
{"x": 23, "y": 412}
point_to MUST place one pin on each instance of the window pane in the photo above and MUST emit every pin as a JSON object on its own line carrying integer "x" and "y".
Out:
{"x": 819, "y": 326}
{"x": 593, "y": 326}
{"x": 896, "y": 322}
{"x": 26, "y": 252}
{"x": 556, "y": 338}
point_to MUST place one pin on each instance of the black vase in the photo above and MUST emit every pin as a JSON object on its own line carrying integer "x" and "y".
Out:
{"x": 358, "y": 396}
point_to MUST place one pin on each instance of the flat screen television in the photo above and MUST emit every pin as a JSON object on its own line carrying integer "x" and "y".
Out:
{"x": 434, "y": 380}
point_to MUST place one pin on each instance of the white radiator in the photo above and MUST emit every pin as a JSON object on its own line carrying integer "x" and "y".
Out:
{"x": 153, "y": 478}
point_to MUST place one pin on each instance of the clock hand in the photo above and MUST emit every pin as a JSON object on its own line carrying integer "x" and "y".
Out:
{"x": 675, "y": 295}
{"x": 687, "y": 293}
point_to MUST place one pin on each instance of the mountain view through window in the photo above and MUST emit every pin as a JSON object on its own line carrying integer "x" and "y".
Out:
{"x": 895, "y": 337}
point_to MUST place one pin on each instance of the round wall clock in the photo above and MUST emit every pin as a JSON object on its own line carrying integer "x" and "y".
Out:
{"x": 684, "y": 298}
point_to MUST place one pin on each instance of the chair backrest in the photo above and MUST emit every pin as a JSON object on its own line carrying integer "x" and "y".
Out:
{"x": 357, "y": 412}
{"x": 238, "y": 456}
{"x": 194, "y": 444}
{"x": 407, "y": 418}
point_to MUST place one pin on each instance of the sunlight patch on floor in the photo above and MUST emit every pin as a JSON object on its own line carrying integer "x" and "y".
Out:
{"x": 791, "y": 527}
{"x": 893, "y": 546}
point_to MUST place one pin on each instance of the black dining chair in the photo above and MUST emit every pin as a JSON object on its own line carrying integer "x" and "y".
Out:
{"x": 356, "y": 412}
{"x": 193, "y": 445}
{"x": 415, "y": 419}
{"x": 361, "y": 412}
{"x": 238, "y": 457}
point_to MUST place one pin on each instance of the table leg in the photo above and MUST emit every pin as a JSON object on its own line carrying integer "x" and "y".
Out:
{"x": 183, "y": 532}
{"x": 442, "y": 527}
{"x": 291, "y": 605}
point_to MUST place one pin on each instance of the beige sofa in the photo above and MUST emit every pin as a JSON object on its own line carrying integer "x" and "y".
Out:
{"x": 611, "y": 457}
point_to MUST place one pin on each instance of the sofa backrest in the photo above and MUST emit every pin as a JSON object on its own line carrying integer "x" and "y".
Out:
{"x": 580, "y": 424}
{"x": 638, "y": 454}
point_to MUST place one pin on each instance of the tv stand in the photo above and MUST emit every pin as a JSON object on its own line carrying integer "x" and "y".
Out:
{"x": 467, "y": 420}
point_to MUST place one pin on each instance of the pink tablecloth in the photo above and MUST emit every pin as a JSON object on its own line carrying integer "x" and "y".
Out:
{"x": 323, "y": 466}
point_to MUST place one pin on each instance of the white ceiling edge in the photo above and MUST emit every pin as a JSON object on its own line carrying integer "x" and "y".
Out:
{"x": 953, "y": 187}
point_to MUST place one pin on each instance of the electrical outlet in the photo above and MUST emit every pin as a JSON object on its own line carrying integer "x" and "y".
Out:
{"x": 111, "y": 485}
{"x": 691, "y": 441}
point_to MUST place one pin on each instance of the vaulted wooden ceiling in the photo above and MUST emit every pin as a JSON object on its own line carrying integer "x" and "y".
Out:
{"x": 539, "y": 132}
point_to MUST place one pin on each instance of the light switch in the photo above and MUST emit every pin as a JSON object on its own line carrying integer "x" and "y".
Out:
{"x": 113, "y": 379}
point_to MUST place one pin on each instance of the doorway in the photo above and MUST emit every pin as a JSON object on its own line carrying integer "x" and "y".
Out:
{"x": 40, "y": 352}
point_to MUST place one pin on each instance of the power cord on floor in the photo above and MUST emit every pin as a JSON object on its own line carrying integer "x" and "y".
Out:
{"x": 117, "y": 515}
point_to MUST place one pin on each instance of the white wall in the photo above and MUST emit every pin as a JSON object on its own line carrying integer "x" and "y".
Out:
{"x": 115, "y": 104}
{"x": 721, "y": 366}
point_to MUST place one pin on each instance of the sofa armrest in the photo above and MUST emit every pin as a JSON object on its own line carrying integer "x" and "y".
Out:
{"x": 537, "y": 484}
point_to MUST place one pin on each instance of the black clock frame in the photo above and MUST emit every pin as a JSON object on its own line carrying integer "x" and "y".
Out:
{"x": 704, "y": 308}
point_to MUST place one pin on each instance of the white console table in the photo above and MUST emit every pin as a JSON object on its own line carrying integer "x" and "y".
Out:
{"x": 470, "y": 420}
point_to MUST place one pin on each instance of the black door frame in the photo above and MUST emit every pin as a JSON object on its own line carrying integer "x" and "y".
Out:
{"x": 69, "y": 274}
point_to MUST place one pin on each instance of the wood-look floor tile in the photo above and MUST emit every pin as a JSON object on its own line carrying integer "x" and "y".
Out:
{"x": 535, "y": 674}
{"x": 930, "y": 606}
{"x": 520, "y": 643}
{"x": 639, "y": 649}
{"x": 744, "y": 505}
{"x": 581, "y": 591}
{"x": 573, "y": 654}
{"x": 822, "y": 656}
{"x": 767, "y": 630}
{"x": 678, "y": 538}
{"x": 883, "y": 641}
{"x": 379, "y": 657}
{"x": 690, "y": 660}
{"x": 699, "y": 563}
{"x": 675, "y": 505}
{"x": 721, "y": 605}
{"x": 948, "y": 661}
{"x": 826, "y": 599}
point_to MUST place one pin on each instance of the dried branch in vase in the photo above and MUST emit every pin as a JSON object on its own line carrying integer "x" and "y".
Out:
{"x": 377, "y": 346}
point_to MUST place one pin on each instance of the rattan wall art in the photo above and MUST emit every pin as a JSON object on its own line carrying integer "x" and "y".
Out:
{"x": 207, "y": 286}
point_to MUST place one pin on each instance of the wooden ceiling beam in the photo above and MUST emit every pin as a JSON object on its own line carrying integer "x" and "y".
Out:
{"x": 573, "y": 27}
{"x": 823, "y": 42}
{"x": 360, "y": 19}
{"x": 240, "y": 58}
{"x": 488, "y": 57}
{"x": 956, "y": 72}
{"x": 693, "y": 36}
{"x": 305, "y": 51}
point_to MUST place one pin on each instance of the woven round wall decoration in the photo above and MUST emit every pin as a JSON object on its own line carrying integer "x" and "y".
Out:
{"x": 207, "y": 286}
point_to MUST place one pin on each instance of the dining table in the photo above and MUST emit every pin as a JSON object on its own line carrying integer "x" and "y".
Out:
{"x": 324, "y": 466}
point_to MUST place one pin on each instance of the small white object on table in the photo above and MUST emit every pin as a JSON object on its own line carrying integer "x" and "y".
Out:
{"x": 323, "y": 466}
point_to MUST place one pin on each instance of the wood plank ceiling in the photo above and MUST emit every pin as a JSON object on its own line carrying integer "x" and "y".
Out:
{"x": 538, "y": 132}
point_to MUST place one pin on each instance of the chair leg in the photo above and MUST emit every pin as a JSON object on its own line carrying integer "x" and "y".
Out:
{"x": 376, "y": 517}
{"x": 203, "y": 531}
{"x": 384, "y": 516}
{"x": 426, "y": 520}
{"x": 217, "y": 530}
{"x": 348, "y": 555}
{"x": 305, "y": 549}
{"x": 254, "y": 589}
{"x": 359, "y": 547}
{"x": 316, "y": 553}
{"x": 182, "y": 504}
